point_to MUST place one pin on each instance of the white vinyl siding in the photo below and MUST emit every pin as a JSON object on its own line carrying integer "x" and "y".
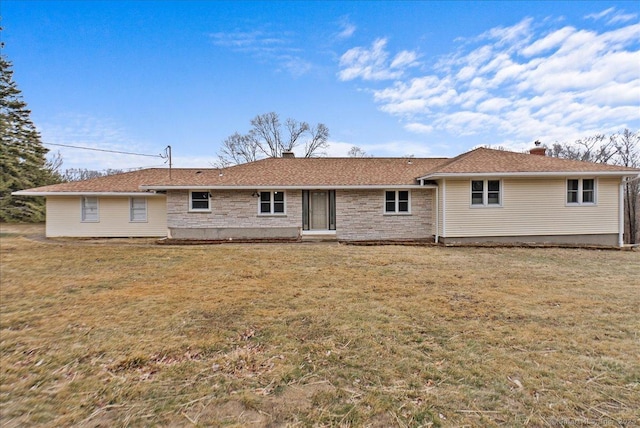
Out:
{"x": 530, "y": 206}
{"x": 115, "y": 216}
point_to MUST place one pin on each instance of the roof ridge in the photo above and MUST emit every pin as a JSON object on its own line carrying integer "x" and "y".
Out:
{"x": 451, "y": 161}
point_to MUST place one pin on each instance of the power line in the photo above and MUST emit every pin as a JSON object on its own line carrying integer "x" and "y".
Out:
{"x": 104, "y": 150}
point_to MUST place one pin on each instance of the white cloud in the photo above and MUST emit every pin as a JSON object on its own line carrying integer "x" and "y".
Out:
{"x": 268, "y": 47}
{"x": 82, "y": 130}
{"x": 347, "y": 29}
{"x": 600, "y": 15}
{"x": 510, "y": 37}
{"x": 373, "y": 63}
{"x": 404, "y": 59}
{"x": 295, "y": 66}
{"x": 614, "y": 16}
{"x": 419, "y": 128}
{"x": 338, "y": 149}
{"x": 405, "y": 106}
{"x": 493, "y": 105}
{"x": 386, "y": 149}
{"x": 548, "y": 42}
{"x": 247, "y": 40}
{"x": 523, "y": 82}
{"x": 623, "y": 17}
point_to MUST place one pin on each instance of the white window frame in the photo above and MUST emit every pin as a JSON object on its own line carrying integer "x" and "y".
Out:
{"x": 199, "y": 210}
{"x": 396, "y": 210}
{"x": 580, "y": 201}
{"x": 132, "y": 218}
{"x": 272, "y": 203}
{"x": 485, "y": 194}
{"x": 85, "y": 218}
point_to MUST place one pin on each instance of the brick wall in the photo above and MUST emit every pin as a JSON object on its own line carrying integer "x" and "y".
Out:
{"x": 360, "y": 216}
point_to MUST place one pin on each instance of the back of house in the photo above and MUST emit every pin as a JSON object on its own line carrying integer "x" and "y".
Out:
{"x": 484, "y": 195}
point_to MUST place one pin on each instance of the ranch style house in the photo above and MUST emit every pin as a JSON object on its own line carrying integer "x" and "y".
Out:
{"x": 483, "y": 195}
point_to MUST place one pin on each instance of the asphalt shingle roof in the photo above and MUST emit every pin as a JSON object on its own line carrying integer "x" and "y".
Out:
{"x": 487, "y": 161}
{"x": 309, "y": 172}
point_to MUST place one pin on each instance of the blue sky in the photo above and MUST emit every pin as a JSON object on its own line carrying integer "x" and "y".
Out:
{"x": 393, "y": 78}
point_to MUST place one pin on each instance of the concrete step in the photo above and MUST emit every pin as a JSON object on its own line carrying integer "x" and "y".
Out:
{"x": 319, "y": 237}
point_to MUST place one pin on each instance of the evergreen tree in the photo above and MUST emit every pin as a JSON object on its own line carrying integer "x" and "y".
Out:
{"x": 22, "y": 156}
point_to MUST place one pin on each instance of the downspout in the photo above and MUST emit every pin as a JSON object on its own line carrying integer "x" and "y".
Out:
{"x": 444, "y": 208}
{"x": 621, "y": 213}
{"x": 437, "y": 237}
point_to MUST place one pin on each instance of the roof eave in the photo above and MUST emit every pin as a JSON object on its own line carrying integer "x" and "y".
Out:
{"x": 296, "y": 187}
{"x": 530, "y": 174}
{"x": 88, "y": 193}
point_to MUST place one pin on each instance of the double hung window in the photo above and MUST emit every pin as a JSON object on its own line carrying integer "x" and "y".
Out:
{"x": 138, "y": 210}
{"x": 89, "y": 209}
{"x": 485, "y": 193}
{"x": 581, "y": 191}
{"x": 272, "y": 202}
{"x": 199, "y": 201}
{"x": 396, "y": 202}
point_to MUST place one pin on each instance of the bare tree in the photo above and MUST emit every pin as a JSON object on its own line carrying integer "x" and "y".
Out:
{"x": 627, "y": 146}
{"x": 79, "y": 174}
{"x": 317, "y": 141}
{"x": 597, "y": 148}
{"x": 296, "y": 130}
{"x": 265, "y": 139}
{"x": 237, "y": 149}
{"x": 357, "y": 152}
{"x": 54, "y": 163}
{"x": 619, "y": 149}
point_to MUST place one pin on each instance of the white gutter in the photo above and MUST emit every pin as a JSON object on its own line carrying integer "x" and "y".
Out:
{"x": 529, "y": 174}
{"x": 437, "y": 237}
{"x": 305, "y": 187}
{"x": 444, "y": 207}
{"x": 76, "y": 193}
{"x": 621, "y": 215}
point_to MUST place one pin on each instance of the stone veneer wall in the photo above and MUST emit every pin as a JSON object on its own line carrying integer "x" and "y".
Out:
{"x": 360, "y": 216}
{"x": 231, "y": 209}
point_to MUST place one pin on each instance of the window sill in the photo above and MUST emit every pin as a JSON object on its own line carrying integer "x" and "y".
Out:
{"x": 271, "y": 215}
{"x": 200, "y": 211}
{"x": 486, "y": 206}
{"x": 397, "y": 214}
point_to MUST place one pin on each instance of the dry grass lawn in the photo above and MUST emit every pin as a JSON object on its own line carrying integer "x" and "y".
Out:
{"x": 127, "y": 333}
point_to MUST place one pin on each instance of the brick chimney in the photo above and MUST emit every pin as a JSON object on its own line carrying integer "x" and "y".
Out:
{"x": 539, "y": 149}
{"x": 288, "y": 155}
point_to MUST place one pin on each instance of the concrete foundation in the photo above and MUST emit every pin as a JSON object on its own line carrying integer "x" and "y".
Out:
{"x": 605, "y": 240}
{"x": 230, "y": 233}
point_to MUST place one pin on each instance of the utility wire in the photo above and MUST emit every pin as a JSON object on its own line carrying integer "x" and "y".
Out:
{"x": 104, "y": 150}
